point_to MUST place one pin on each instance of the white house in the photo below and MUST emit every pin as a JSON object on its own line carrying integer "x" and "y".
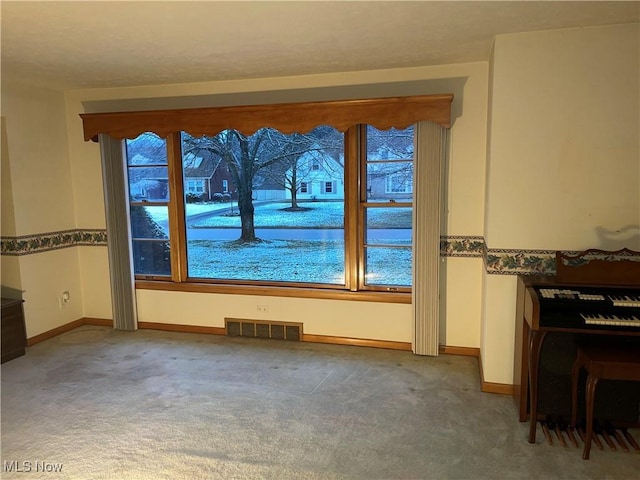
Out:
{"x": 317, "y": 176}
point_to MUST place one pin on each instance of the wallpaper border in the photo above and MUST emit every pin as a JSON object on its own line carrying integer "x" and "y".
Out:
{"x": 46, "y": 242}
{"x": 496, "y": 261}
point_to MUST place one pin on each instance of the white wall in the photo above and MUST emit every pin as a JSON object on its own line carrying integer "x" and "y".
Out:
{"x": 563, "y": 160}
{"x": 36, "y": 157}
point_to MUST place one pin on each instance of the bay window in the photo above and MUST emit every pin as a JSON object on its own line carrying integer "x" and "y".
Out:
{"x": 269, "y": 228}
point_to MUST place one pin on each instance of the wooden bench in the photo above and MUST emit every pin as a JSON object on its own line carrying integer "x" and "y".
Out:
{"x": 601, "y": 361}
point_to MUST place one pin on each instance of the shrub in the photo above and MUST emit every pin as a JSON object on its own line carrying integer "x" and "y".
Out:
{"x": 149, "y": 258}
{"x": 192, "y": 198}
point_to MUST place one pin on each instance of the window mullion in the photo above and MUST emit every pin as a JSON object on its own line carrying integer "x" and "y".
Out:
{"x": 177, "y": 235}
{"x": 352, "y": 207}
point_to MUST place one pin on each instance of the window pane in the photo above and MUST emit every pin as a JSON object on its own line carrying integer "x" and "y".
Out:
{"x": 388, "y": 266}
{"x": 146, "y": 149}
{"x": 149, "y": 231}
{"x": 147, "y": 181}
{"x": 149, "y": 222}
{"x": 276, "y": 223}
{"x": 149, "y": 184}
{"x": 390, "y": 181}
{"x": 388, "y": 226}
{"x": 388, "y": 229}
{"x": 151, "y": 257}
{"x": 392, "y": 144}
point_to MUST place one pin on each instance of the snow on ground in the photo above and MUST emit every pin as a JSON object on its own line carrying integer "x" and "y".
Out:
{"x": 306, "y": 261}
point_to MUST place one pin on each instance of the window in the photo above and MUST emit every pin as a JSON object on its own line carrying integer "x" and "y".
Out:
{"x": 195, "y": 186}
{"x": 147, "y": 172}
{"x": 388, "y": 211}
{"x": 353, "y": 234}
{"x": 280, "y": 240}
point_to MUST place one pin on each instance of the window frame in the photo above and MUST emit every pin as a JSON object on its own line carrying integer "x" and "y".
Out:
{"x": 347, "y": 116}
{"x": 364, "y": 204}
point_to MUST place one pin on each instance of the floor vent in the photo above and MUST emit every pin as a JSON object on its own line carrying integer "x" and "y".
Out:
{"x": 263, "y": 329}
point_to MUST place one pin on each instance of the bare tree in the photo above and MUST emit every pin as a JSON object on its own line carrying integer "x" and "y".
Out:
{"x": 296, "y": 162}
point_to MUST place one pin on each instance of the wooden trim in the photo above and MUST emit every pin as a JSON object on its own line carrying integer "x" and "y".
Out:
{"x": 177, "y": 227}
{"x": 293, "y": 292}
{"x": 489, "y": 387}
{"x": 383, "y": 113}
{"x": 100, "y": 322}
{"x": 359, "y": 342}
{"x": 172, "y": 327}
{"x": 54, "y": 332}
{"x": 464, "y": 351}
{"x": 498, "y": 388}
{"x": 351, "y": 217}
{"x": 359, "y": 268}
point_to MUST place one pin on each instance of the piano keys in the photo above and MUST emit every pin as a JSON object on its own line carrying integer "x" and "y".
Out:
{"x": 585, "y": 308}
{"x": 630, "y": 321}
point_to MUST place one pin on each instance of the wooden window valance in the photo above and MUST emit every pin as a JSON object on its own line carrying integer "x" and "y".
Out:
{"x": 382, "y": 113}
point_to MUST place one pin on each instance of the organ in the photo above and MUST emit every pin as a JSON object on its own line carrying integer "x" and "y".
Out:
{"x": 594, "y": 297}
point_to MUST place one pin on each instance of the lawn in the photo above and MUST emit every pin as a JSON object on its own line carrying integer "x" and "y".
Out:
{"x": 305, "y": 261}
{"x": 318, "y": 215}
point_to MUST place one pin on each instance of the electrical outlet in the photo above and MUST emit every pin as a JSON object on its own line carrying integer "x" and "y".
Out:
{"x": 263, "y": 308}
{"x": 65, "y": 297}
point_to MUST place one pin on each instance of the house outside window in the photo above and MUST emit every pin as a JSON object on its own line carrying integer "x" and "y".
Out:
{"x": 225, "y": 186}
{"x": 195, "y": 186}
{"x": 304, "y": 187}
{"x": 399, "y": 183}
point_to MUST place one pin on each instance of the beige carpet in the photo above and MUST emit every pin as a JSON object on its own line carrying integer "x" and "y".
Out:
{"x": 105, "y": 404}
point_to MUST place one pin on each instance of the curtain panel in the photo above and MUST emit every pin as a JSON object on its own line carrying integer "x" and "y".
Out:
{"x": 427, "y": 200}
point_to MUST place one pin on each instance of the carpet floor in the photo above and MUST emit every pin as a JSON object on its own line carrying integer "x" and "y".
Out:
{"x": 96, "y": 403}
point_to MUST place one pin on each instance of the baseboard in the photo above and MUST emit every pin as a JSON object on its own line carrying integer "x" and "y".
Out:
{"x": 100, "y": 322}
{"x": 464, "y": 351}
{"x": 55, "y": 332}
{"x": 359, "y": 342}
{"x": 172, "y": 327}
{"x": 489, "y": 387}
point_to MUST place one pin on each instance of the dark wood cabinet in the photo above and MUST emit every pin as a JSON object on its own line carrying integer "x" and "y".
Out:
{"x": 14, "y": 335}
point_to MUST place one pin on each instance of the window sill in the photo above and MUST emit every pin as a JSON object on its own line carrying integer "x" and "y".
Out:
{"x": 297, "y": 292}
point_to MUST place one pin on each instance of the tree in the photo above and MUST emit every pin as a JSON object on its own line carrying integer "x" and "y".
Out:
{"x": 244, "y": 156}
{"x": 297, "y": 154}
{"x": 150, "y": 257}
{"x": 248, "y": 155}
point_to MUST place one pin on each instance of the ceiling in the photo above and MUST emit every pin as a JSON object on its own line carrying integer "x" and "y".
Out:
{"x": 94, "y": 44}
